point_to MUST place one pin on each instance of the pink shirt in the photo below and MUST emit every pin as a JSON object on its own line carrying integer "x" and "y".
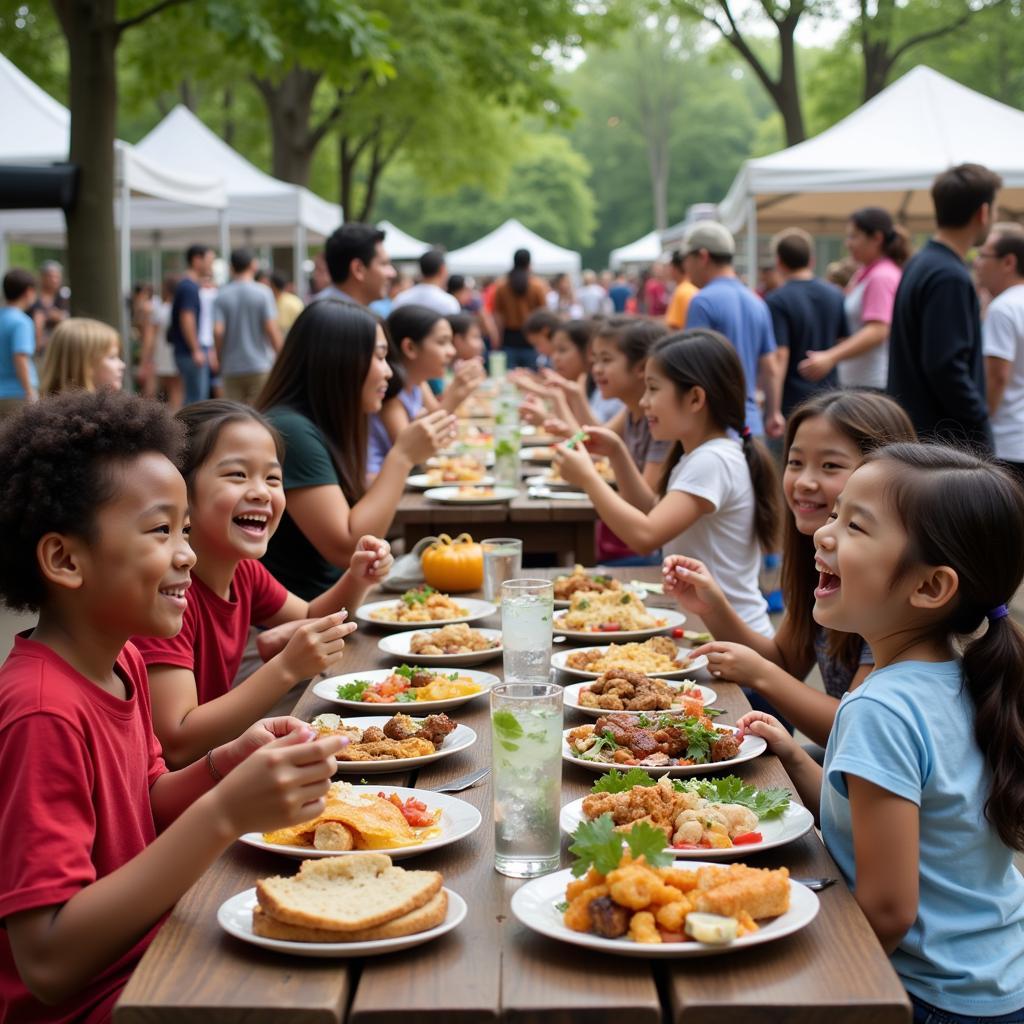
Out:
{"x": 869, "y": 297}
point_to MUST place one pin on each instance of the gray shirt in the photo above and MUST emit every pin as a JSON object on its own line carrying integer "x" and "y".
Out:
{"x": 643, "y": 447}
{"x": 244, "y": 307}
{"x": 332, "y": 291}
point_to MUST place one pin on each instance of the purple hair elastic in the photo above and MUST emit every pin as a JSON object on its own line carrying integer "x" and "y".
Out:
{"x": 998, "y": 613}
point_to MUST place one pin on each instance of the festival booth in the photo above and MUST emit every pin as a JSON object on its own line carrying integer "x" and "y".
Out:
{"x": 402, "y": 247}
{"x": 491, "y": 255}
{"x": 643, "y": 252}
{"x": 886, "y": 153}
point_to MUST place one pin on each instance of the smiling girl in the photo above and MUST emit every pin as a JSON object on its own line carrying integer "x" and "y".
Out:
{"x": 922, "y": 795}
{"x": 826, "y": 439}
{"x": 232, "y": 465}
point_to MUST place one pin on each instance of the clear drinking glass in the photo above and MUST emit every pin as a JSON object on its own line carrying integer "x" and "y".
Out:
{"x": 526, "y": 737}
{"x": 503, "y": 560}
{"x": 507, "y": 443}
{"x": 526, "y": 608}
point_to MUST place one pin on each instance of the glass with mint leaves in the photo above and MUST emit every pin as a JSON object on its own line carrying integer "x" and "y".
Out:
{"x": 526, "y": 751}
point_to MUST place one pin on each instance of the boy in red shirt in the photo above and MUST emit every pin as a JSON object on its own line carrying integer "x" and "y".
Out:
{"x": 99, "y": 839}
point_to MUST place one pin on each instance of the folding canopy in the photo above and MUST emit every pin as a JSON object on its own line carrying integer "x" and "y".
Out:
{"x": 492, "y": 254}
{"x": 644, "y": 250}
{"x": 402, "y": 248}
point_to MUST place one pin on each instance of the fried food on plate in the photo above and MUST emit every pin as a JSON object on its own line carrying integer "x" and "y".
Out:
{"x": 401, "y": 737}
{"x": 659, "y": 654}
{"x": 621, "y": 689}
{"x": 578, "y": 581}
{"x": 456, "y": 639}
{"x": 421, "y": 604}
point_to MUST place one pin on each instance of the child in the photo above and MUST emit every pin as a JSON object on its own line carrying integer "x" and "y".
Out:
{"x": 922, "y": 792}
{"x": 232, "y": 465}
{"x": 99, "y": 839}
{"x": 719, "y": 500}
{"x": 827, "y": 436}
{"x": 539, "y": 329}
{"x": 466, "y": 336}
{"x": 85, "y": 354}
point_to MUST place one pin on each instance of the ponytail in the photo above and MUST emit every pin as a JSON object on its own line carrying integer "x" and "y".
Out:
{"x": 767, "y": 507}
{"x": 873, "y": 220}
{"x": 896, "y": 245}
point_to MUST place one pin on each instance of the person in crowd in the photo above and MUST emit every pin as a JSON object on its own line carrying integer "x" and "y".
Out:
{"x": 827, "y": 437}
{"x": 330, "y": 377}
{"x": 466, "y": 336}
{"x": 83, "y": 354}
{"x": 515, "y": 298}
{"x": 232, "y": 466}
{"x": 156, "y": 360}
{"x": 562, "y": 298}
{"x": 921, "y": 798}
{"x": 726, "y": 305}
{"x": 999, "y": 266}
{"x": 839, "y": 272}
{"x": 430, "y": 291}
{"x": 400, "y": 283}
{"x": 719, "y": 500}
{"x": 100, "y": 840}
{"x": 593, "y": 297}
{"x": 358, "y": 264}
{"x": 539, "y": 331}
{"x": 143, "y": 303}
{"x": 19, "y": 381}
{"x": 289, "y": 305}
{"x": 245, "y": 330}
{"x": 52, "y": 305}
{"x": 620, "y": 292}
{"x": 653, "y": 293}
{"x": 807, "y": 313}
{"x": 768, "y": 279}
{"x": 879, "y": 249}
{"x": 685, "y": 289}
{"x": 421, "y": 351}
{"x": 936, "y": 367}
{"x": 183, "y": 331}
{"x": 207, "y": 336}
{"x": 319, "y": 278}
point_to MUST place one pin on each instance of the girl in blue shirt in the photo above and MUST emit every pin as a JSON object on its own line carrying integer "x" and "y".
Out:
{"x": 921, "y": 799}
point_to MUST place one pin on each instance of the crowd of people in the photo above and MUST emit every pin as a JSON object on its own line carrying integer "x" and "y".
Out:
{"x": 189, "y": 570}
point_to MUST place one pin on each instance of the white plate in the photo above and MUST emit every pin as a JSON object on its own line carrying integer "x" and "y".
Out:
{"x": 451, "y": 496}
{"x": 794, "y": 822}
{"x": 327, "y": 689}
{"x": 397, "y": 645}
{"x": 751, "y": 747}
{"x": 539, "y": 453}
{"x": 547, "y": 494}
{"x": 461, "y": 738}
{"x": 571, "y": 698}
{"x": 421, "y": 481}
{"x": 235, "y": 917}
{"x": 673, "y": 620}
{"x": 559, "y": 659}
{"x": 458, "y": 820}
{"x": 534, "y": 905}
{"x": 478, "y": 452}
{"x": 475, "y": 610}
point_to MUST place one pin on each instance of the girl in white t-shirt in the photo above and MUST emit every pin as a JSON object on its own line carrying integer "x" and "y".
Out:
{"x": 719, "y": 501}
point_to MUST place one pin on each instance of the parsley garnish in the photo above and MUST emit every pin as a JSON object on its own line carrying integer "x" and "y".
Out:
{"x": 418, "y": 596}
{"x": 597, "y": 844}
{"x": 617, "y": 782}
{"x": 562, "y": 906}
{"x": 603, "y": 580}
{"x": 606, "y": 739}
{"x": 353, "y": 691}
{"x": 765, "y": 803}
{"x": 583, "y": 605}
{"x": 626, "y": 598}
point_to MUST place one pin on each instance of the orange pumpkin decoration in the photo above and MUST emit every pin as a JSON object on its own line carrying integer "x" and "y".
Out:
{"x": 454, "y": 566}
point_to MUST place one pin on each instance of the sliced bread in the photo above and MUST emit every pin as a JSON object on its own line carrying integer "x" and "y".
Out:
{"x": 347, "y": 893}
{"x": 430, "y": 915}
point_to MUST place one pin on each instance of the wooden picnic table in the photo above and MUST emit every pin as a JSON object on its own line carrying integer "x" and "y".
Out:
{"x": 493, "y": 969}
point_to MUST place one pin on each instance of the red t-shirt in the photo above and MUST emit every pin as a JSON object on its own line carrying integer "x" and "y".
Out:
{"x": 77, "y": 764}
{"x": 214, "y": 632}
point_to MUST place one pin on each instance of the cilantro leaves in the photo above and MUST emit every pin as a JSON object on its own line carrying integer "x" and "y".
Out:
{"x": 619, "y": 782}
{"x": 353, "y": 691}
{"x": 597, "y": 844}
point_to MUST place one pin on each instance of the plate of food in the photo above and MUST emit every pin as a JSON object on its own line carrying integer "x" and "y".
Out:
{"x": 702, "y": 908}
{"x": 455, "y": 646}
{"x": 394, "y": 820}
{"x": 458, "y": 463}
{"x": 439, "y": 477}
{"x": 537, "y": 453}
{"x": 658, "y": 656}
{"x": 423, "y": 605}
{"x": 406, "y": 688}
{"x": 660, "y": 742}
{"x": 622, "y": 690}
{"x": 382, "y": 744}
{"x": 585, "y": 581}
{"x": 471, "y": 494}
{"x": 701, "y": 818}
{"x": 622, "y": 613}
{"x": 344, "y": 906}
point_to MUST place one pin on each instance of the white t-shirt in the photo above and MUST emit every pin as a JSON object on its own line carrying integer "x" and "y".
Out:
{"x": 724, "y": 539}
{"x": 431, "y": 296}
{"x": 1002, "y": 335}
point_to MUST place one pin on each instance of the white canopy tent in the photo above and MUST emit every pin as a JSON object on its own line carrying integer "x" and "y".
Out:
{"x": 885, "y": 153}
{"x": 492, "y": 254}
{"x": 644, "y": 250}
{"x": 401, "y": 247}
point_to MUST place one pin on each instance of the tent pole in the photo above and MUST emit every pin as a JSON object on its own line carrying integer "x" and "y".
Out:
{"x": 3, "y": 253}
{"x": 154, "y": 263}
{"x": 124, "y": 196}
{"x": 299, "y": 255}
{"x": 752, "y": 242}
{"x": 224, "y": 233}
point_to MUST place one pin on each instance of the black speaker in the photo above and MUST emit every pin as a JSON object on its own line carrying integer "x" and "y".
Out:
{"x": 38, "y": 187}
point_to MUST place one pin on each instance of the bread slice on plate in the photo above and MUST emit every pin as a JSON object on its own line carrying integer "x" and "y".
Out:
{"x": 347, "y": 894}
{"x": 430, "y": 915}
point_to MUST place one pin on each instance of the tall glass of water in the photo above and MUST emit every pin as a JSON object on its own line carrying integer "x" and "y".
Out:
{"x": 526, "y": 735}
{"x": 503, "y": 560}
{"x": 526, "y": 608}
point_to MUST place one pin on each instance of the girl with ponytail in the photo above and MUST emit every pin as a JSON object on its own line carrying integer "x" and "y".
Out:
{"x": 718, "y": 498}
{"x": 921, "y": 799}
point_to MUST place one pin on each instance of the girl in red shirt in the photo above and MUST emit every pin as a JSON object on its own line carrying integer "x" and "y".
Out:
{"x": 232, "y": 465}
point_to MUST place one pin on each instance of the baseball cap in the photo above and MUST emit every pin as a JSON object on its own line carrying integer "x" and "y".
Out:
{"x": 710, "y": 235}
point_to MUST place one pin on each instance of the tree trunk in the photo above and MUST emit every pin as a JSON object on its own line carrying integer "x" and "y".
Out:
{"x": 289, "y": 105}
{"x": 91, "y": 33}
{"x": 228, "y": 106}
{"x": 788, "y": 98}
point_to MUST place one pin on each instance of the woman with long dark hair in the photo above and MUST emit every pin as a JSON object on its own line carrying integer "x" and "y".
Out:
{"x": 515, "y": 299}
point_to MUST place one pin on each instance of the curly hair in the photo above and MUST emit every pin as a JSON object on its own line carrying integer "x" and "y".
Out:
{"x": 55, "y": 458}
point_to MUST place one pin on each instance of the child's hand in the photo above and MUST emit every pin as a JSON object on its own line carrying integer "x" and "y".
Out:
{"x": 772, "y": 731}
{"x": 372, "y": 559}
{"x": 316, "y": 646}
{"x": 578, "y": 387}
{"x": 469, "y": 375}
{"x": 690, "y": 583}
{"x": 271, "y": 642}
{"x": 558, "y": 427}
{"x": 735, "y": 662}
{"x": 425, "y": 435}
{"x": 533, "y": 409}
{"x": 602, "y": 441}
{"x": 282, "y": 783}
{"x": 574, "y": 464}
{"x": 229, "y": 756}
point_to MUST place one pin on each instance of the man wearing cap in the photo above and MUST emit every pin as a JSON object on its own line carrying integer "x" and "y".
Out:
{"x": 726, "y": 305}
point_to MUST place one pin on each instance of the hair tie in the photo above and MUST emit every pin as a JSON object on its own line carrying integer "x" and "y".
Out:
{"x": 745, "y": 433}
{"x": 998, "y": 613}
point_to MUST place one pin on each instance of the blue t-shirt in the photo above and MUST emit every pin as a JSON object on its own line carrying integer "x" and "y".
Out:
{"x": 379, "y": 441}
{"x": 186, "y": 299}
{"x": 620, "y": 294}
{"x": 17, "y": 337}
{"x": 909, "y": 728}
{"x": 729, "y": 306}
